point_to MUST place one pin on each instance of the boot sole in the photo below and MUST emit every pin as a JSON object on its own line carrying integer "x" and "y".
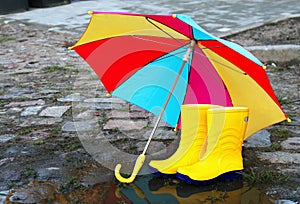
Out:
{"x": 228, "y": 176}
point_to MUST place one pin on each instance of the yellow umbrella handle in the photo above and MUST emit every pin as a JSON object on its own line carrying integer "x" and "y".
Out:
{"x": 138, "y": 165}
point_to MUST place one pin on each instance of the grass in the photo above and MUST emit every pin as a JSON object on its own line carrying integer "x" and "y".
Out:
{"x": 264, "y": 177}
{"x": 41, "y": 142}
{"x": 73, "y": 146}
{"x": 54, "y": 68}
{"x": 24, "y": 131}
{"x": 278, "y": 68}
{"x": 57, "y": 68}
{"x": 22, "y": 86}
{"x": 283, "y": 100}
{"x": 103, "y": 120}
{"x": 281, "y": 133}
{"x": 21, "y": 99}
{"x": 277, "y": 135}
{"x": 93, "y": 78}
{"x": 17, "y": 139}
{"x": 30, "y": 172}
{"x": 274, "y": 147}
{"x": 70, "y": 185}
{"x": 5, "y": 39}
{"x": 54, "y": 132}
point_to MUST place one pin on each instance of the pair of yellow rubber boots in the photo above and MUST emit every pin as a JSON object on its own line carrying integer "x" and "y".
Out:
{"x": 210, "y": 145}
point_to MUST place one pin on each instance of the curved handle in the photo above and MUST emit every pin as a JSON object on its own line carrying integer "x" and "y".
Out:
{"x": 138, "y": 164}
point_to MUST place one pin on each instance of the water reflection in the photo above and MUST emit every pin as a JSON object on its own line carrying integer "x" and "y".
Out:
{"x": 151, "y": 189}
{"x": 145, "y": 189}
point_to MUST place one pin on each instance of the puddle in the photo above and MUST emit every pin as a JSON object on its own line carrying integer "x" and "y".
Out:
{"x": 145, "y": 189}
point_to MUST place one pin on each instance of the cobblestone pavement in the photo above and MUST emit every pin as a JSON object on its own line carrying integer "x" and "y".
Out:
{"x": 49, "y": 98}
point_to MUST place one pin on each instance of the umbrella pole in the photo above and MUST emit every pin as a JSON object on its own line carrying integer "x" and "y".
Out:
{"x": 141, "y": 158}
{"x": 186, "y": 58}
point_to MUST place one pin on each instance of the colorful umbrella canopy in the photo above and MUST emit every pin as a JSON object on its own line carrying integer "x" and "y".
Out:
{"x": 138, "y": 57}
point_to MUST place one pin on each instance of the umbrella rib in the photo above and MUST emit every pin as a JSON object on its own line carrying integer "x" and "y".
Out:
{"x": 163, "y": 30}
{"x": 207, "y": 69}
{"x": 224, "y": 65}
{"x": 155, "y": 41}
{"x": 158, "y": 42}
{"x": 167, "y": 56}
{"x": 231, "y": 68}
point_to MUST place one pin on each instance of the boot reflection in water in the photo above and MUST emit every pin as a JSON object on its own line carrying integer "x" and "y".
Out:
{"x": 223, "y": 192}
{"x": 193, "y": 134}
{"x": 223, "y": 156}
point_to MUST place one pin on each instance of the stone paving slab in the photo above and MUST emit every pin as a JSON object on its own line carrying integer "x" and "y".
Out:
{"x": 6, "y": 137}
{"x": 126, "y": 114}
{"x": 78, "y": 126}
{"x": 26, "y": 103}
{"x": 71, "y": 98}
{"x": 153, "y": 149}
{"x": 33, "y": 110}
{"x": 39, "y": 121}
{"x": 292, "y": 143}
{"x": 259, "y": 139}
{"x": 54, "y": 111}
{"x": 280, "y": 157}
{"x": 125, "y": 125}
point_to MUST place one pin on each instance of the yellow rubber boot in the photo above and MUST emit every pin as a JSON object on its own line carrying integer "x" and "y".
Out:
{"x": 193, "y": 134}
{"x": 226, "y": 131}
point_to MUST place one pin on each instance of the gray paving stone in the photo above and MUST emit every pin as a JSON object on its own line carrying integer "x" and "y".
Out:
{"x": 48, "y": 91}
{"x": 71, "y": 98}
{"x": 126, "y": 114}
{"x": 280, "y": 157}
{"x": 39, "y": 102}
{"x": 33, "y": 110}
{"x": 78, "y": 126}
{"x": 14, "y": 110}
{"x": 154, "y": 147}
{"x": 125, "y": 125}
{"x": 292, "y": 143}
{"x": 104, "y": 100}
{"x": 6, "y": 137}
{"x": 161, "y": 134}
{"x": 106, "y": 106}
{"x": 40, "y": 121}
{"x": 21, "y": 91}
{"x": 54, "y": 111}
{"x": 98, "y": 106}
{"x": 88, "y": 114}
{"x": 259, "y": 139}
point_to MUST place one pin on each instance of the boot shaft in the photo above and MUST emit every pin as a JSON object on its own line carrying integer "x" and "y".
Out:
{"x": 193, "y": 134}
{"x": 194, "y": 118}
{"x": 226, "y": 128}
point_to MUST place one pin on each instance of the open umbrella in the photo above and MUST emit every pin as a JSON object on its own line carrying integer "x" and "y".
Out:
{"x": 159, "y": 62}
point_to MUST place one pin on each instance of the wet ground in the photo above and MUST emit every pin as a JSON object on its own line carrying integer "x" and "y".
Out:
{"x": 217, "y": 16}
{"x": 54, "y": 112}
